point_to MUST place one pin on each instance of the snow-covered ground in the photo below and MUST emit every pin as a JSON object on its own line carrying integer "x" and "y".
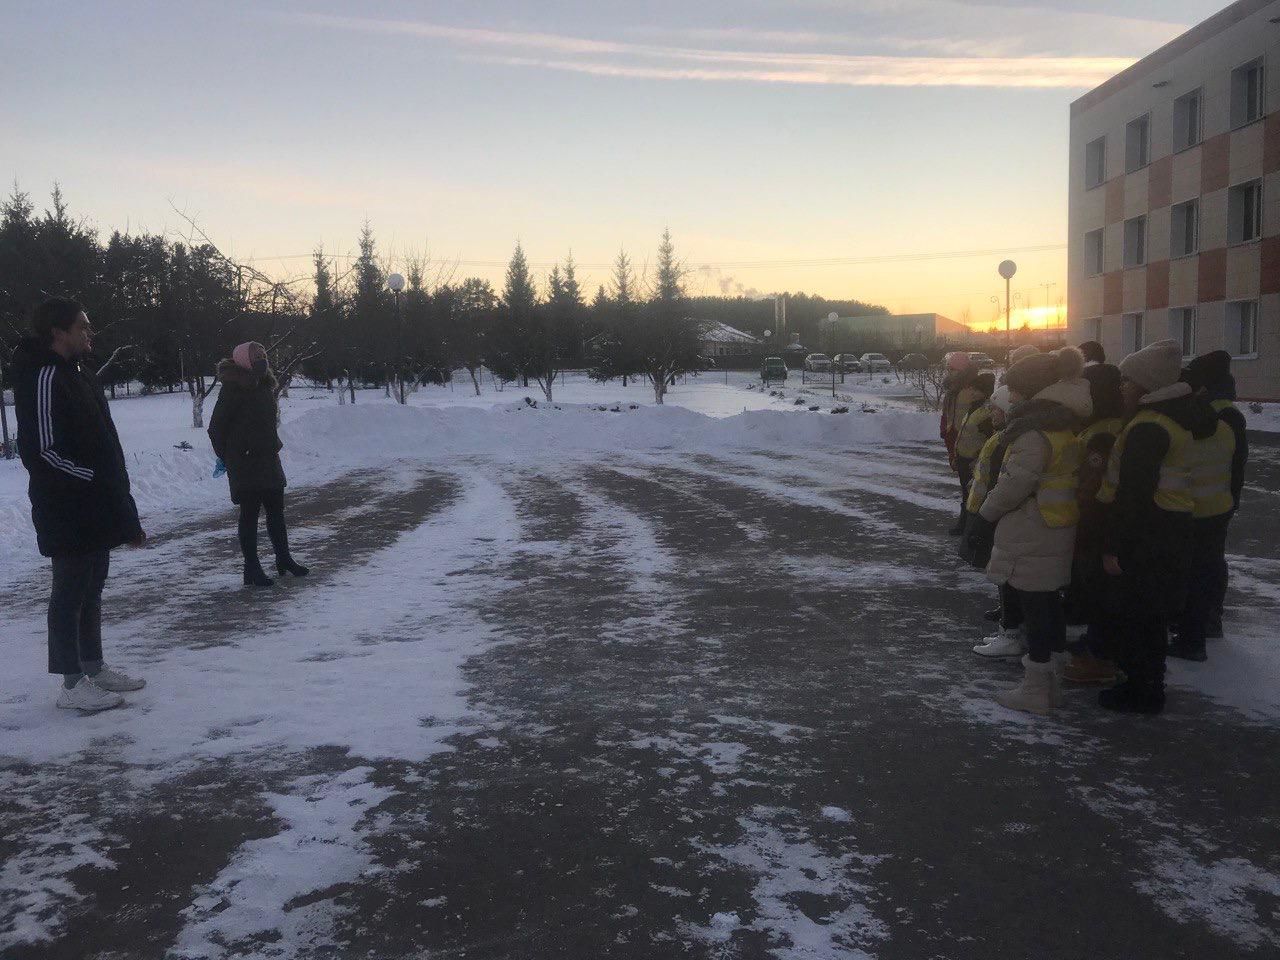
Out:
{"x": 596, "y": 677}
{"x": 322, "y": 436}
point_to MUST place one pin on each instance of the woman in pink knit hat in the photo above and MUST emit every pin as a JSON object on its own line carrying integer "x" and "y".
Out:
{"x": 244, "y": 435}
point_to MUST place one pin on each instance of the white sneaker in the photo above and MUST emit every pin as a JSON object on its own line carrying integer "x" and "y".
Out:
{"x": 87, "y": 697}
{"x": 117, "y": 682}
{"x": 1006, "y": 643}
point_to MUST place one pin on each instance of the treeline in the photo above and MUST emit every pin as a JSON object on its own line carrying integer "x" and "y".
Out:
{"x": 166, "y": 308}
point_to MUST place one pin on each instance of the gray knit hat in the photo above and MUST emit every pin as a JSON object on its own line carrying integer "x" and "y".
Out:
{"x": 1034, "y": 373}
{"x": 1154, "y": 367}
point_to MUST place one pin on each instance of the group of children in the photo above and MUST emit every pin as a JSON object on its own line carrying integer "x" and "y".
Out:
{"x": 1099, "y": 496}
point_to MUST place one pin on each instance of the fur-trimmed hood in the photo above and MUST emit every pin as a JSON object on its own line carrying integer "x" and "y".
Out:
{"x": 231, "y": 374}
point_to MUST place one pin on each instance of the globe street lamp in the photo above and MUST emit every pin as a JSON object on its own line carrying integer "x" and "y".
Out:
{"x": 1007, "y": 269}
{"x": 395, "y": 283}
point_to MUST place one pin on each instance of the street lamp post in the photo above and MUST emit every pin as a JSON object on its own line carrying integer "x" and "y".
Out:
{"x": 1007, "y": 269}
{"x": 395, "y": 283}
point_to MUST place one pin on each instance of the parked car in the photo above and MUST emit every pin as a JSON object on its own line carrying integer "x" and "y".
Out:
{"x": 846, "y": 362}
{"x": 817, "y": 363}
{"x": 773, "y": 368}
{"x": 981, "y": 361}
{"x": 914, "y": 361}
{"x": 874, "y": 363}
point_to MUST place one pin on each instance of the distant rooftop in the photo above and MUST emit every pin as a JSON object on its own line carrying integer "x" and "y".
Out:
{"x": 723, "y": 333}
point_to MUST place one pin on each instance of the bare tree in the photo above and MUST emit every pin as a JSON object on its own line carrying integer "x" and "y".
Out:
{"x": 245, "y": 293}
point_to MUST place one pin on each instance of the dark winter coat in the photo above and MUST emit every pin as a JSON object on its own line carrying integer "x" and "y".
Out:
{"x": 243, "y": 431}
{"x": 80, "y": 499}
{"x": 1153, "y": 545}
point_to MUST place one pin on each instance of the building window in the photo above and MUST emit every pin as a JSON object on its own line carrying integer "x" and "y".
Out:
{"x": 1132, "y": 332}
{"x": 1185, "y": 239}
{"x": 1095, "y": 162}
{"x": 1242, "y": 328}
{"x": 1137, "y": 144}
{"x": 1093, "y": 252}
{"x": 1096, "y": 326}
{"x": 1187, "y": 129}
{"x": 1182, "y": 327}
{"x": 1246, "y": 93}
{"x": 1135, "y": 242}
{"x": 1244, "y": 212}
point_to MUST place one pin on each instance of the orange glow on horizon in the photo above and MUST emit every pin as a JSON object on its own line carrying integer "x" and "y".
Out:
{"x": 1037, "y": 318}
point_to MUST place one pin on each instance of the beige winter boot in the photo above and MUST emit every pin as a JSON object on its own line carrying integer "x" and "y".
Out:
{"x": 1035, "y": 693}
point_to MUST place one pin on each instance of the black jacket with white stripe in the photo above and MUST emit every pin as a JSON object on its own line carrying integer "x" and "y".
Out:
{"x": 80, "y": 500}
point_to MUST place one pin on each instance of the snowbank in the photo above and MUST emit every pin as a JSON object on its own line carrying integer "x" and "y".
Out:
{"x": 520, "y": 430}
{"x": 322, "y": 440}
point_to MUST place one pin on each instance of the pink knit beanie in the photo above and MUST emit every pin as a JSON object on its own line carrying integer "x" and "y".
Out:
{"x": 242, "y": 355}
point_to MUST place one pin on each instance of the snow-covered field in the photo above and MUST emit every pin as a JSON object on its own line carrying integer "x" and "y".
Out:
{"x": 323, "y": 436}
{"x": 597, "y": 678}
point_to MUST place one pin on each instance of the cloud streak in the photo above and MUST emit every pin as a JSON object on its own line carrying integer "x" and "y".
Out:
{"x": 611, "y": 58}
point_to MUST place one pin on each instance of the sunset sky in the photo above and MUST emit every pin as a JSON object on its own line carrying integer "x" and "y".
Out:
{"x": 830, "y": 146}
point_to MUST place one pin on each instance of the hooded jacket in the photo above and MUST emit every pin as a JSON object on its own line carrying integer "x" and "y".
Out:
{"x": 79, "y": 486}
{"x": 1028, "y": 553}
{"x": 243, "y": 431}
{"x": 1133, "y": 518}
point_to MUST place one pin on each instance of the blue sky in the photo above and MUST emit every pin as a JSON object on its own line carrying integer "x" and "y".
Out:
{"x": 766, "y": 134}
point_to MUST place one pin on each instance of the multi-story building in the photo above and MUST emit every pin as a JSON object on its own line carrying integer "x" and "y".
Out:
{"x": 1175, "y": 199}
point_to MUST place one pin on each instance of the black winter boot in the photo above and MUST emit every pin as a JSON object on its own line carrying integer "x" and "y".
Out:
{"x": 289, "y": 565}
{"x": 254, "y": 576}
{"x": 1131, "y": 697}
{"x": 1185, "y": 648}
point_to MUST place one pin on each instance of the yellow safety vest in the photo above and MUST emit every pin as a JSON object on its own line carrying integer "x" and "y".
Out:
{"x": 970, "y": 441}
{"x": 1173, "y": 491}
{"x": 982, "y": 474}
{"x": 1211, "y": 469}
{"x": 1056, "y": 494}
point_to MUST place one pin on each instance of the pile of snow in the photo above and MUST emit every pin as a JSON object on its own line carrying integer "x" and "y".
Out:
{"x": 322, "y": 439}
{"x": 393, "y": 432}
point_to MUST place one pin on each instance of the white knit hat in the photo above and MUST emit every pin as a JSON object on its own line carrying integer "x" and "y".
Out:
{"x": 1154, "y": 367}
{"x": 1000, "y": 399}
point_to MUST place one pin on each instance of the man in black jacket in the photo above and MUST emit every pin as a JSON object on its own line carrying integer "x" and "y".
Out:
{"x": 80, "y": 501}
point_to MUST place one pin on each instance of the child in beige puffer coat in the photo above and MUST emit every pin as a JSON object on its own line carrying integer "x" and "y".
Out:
{"x": 1031, "y": 512}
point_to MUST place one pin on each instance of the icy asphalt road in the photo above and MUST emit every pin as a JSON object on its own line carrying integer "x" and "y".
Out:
{"x": 655, "y": 707}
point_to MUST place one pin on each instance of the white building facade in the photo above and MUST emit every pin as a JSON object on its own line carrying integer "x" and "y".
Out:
{"x": 1174, "y": 213}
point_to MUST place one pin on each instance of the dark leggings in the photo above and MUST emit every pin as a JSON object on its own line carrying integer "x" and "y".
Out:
{"x": 251, "y": 504}
{"x": 964, "y": 470}
{"x": 1208, "y": 586}
{"x": 1046, "y": 626}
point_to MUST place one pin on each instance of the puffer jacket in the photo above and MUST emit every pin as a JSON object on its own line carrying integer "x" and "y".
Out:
{"x": 1028, "y": 554}
{"x": 79, "y": 489}
{"x": 243, "y": 431}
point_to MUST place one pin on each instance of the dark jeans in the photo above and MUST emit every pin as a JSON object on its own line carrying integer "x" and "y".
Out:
{"x": 1046, "y": 624}
{"x": 75, "y": 610}
{"x": 1207, "y": 588}
{"x": 964, "y": 469}
{"x": 251, "y": 504}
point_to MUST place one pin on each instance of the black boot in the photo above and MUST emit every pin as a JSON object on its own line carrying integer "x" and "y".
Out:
{"x": 254, "y": 576}
{"x": 1131, "y": 697}
{"x": 1185, "y": 648}
{"x": 992, "y": 615}
{"x": 289, "y": 565}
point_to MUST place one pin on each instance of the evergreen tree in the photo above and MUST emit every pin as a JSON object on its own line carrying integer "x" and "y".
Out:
{"x": 512, "y": 344}
{"x": 474, "y": 307}
{"x": 669, "y": 339}
{"x": 617, "y": 352}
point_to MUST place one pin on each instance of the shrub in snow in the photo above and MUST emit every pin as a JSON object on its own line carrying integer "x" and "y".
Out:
{"x": 1255, "y": 407}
